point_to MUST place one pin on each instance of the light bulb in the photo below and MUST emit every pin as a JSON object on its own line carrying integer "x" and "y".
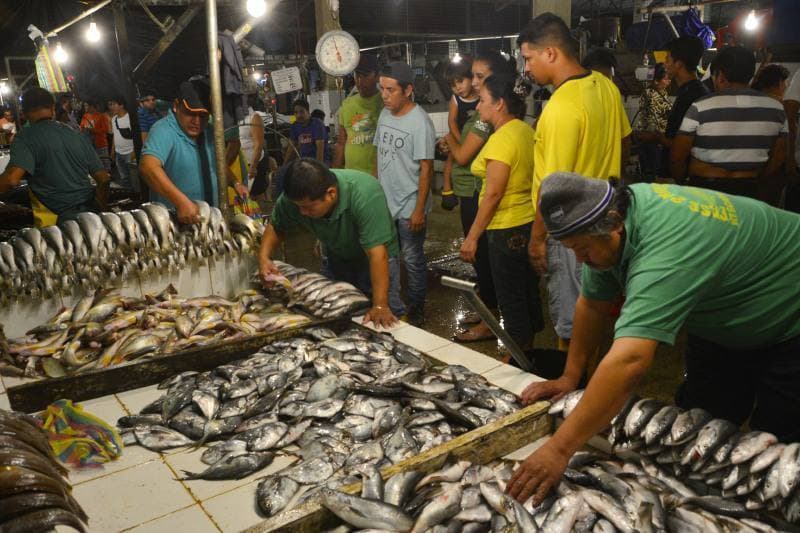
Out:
{"x": 256, "y": 8}
{"x": 60, "y": 55}
{"x": 92, "y": 34}
{"x": 751, "y": 22}
{"x": 3, "y": 88}
{"x": 456, "y": 58}
{"x": 256, "y": 76}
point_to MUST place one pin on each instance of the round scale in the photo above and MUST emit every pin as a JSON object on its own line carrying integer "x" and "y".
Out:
{"x": 337, "y": 53}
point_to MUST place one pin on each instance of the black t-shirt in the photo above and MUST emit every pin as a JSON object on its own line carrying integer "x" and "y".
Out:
{"x": 687, "y": 94}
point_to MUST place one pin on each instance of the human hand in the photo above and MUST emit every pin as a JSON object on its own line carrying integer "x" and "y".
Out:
{"x": 267, "y": 271}
{"x": 552, "y": 389}
{"x": 188, "y": 212}
{"x": 241, "y": 189}
{"x": 537, "y": 255}
{"x": 537, "y": 474}
{"x": 468, "y": 250}
{"x": 417, "y": 220}
{"x": 380, "y": 316}
{"x": 449, "y": 200}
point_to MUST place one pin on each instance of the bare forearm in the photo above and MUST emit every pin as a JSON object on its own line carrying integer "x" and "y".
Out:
{"x": 338, "y": 156}
{"x": 320, "y": 150}
{"x": 486, "y": 210}
{"x": 538, "y": 229}
{"x": 102, "y": 190}
{"x": 269, "y": 242}
{"x": 379, "y": 276}
{"x": 447, "y": 181}
{"x": 425, "y": 175}
{"x": 158, "y": 181}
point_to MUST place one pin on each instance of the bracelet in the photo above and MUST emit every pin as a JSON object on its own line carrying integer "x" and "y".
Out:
{"x": 447, "y": 193}
{"x": 379, "y": 307}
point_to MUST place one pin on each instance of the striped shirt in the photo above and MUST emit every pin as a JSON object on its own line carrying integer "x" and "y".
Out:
{"x": 734, "y": 129}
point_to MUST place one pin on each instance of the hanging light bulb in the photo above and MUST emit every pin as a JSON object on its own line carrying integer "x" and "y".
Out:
{"x": 256, "y": 8}
{"x": 60, "y": 55}
{"x": 256, "y": 75}
{"x": 456, "y": 58}
{"x": 92, "y": 34}
{"x": 751, "y": 22}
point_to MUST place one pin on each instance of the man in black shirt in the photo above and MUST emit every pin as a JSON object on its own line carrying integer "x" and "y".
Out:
{"x": 683, "y": 56}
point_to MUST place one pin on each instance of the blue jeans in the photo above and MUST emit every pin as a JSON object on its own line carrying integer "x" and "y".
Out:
{"x": 414, "y": 260}
{"x": 358, "y": 275}
{"x": 124, "y": 162}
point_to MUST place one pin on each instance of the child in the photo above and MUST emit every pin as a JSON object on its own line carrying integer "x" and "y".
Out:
{"x": 462, "y": 106}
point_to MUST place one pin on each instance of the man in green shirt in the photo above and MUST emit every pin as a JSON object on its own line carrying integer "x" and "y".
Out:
{"x": 346, "y": 210}
{"x": 358, "y": 120}
{"x": 725, "y": 267}
{"x": 58, "y": 162}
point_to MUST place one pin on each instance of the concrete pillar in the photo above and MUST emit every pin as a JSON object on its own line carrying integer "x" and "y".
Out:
{"x": 562, "y": 8}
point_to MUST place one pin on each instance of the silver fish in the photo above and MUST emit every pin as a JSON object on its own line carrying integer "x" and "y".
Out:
{"x": 364, "y": 513}
{"x": 750, "y": 445}
{"x": 159, "y": 438}
{"x": 441, "y": 508}
{"x": 274, "y": 493}
{"x": 235, "y": 465}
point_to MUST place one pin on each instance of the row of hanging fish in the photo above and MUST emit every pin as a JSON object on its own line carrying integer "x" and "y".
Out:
{"x": 707, "y": 453}
{"x": 342, "y": 406}
{"x": 317, "y": 294}
{"x": 97, "y": 248}
{"x": 108, "y": 329}
{"x": 34, "y": 492}
{"x": 597, "y": 495}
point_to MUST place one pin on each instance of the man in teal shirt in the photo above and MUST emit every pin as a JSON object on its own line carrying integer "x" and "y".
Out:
{"x": 725, "y": 267}
{"x": 178, "y": 161}
{"x": 346, "y": 210}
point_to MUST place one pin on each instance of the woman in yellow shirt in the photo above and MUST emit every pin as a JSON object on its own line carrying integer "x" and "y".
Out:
{"x": 505, "y": 211}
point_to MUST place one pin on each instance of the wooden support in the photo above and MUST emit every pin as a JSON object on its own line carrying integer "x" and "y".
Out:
{"x": 123, "y": 52}
{"x": 479, "y": 446}
{"x": 166, "y": 40}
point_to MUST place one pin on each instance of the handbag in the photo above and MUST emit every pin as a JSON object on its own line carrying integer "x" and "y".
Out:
{"x": 126, "y": 133}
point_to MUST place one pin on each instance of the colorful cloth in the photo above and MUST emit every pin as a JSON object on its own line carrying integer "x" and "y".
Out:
{"x": 79, "y": 438}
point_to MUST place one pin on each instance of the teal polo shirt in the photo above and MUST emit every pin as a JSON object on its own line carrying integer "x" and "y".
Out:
{"x": 180, "y": 157}
{"x": 360, "y": 220}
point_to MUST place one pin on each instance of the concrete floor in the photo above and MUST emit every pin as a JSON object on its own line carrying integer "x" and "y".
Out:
{"x": 445, "y": 306}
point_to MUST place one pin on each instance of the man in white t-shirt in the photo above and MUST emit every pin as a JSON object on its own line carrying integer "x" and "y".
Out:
{"x": 122, "y": 148}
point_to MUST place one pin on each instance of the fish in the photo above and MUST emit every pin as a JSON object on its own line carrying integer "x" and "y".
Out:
{"x": 400, "y": 486}
{"x": 159, "y": 438}
{"x": 750, "y": 445}
{"x": 43, "y": 520}
{"x": 365, "y": 513}
{"x": 440, "y": 509}
{"x": 274, "y": 493}
{"x": 686, "y": 426}
{"x": 234, "y": 465}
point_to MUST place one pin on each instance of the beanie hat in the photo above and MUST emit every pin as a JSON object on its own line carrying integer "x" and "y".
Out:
{"x": 569, "y": 202}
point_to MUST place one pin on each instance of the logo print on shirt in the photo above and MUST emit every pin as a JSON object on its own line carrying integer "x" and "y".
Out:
{"x": 391, "y": 141}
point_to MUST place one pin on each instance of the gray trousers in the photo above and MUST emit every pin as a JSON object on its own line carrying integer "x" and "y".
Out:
{"x": 563, "y": 286}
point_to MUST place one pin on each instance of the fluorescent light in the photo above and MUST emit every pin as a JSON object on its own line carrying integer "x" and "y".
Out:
{"x": 60, "y": 55}
{"x": 256, "y": 8}
{"x": 751, "y": 23}
{"x": 92, "y": 34}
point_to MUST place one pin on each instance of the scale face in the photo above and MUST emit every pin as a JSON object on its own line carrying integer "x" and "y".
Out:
{"x": 337, "y": 53}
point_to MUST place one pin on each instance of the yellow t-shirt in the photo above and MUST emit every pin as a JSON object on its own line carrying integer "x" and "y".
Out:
{"x": 581, "y": 130}
{"x": 511, "y": 144}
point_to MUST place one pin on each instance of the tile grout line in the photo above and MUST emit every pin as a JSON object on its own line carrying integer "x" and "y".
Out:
{"x": 156, "y": 518}
{"x": 197, "y": 500}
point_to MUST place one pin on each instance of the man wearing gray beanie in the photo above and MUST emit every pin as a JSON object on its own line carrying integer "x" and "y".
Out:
{"x": 723, "y": 267}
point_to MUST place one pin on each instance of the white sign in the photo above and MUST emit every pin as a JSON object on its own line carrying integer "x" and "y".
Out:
{"x": 286, "y": 80}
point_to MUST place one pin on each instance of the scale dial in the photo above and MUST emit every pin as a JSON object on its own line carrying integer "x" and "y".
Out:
{"x": 337, "y": 53}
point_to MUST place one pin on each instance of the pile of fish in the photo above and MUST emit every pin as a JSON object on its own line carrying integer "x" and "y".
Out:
{"x": 108, "y": 329}
{"x": 318, "y": 295}
{"x": 343, "y": 405}
{"x": 596, "y": 495}
{"x": 707, "y": 453}
{"x": 97, "y": 248}
{"x": 34, "y": 494}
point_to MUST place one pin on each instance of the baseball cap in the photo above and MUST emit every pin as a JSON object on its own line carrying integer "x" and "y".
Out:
{"x": 367, "y": 64}
{"x": 194, "y": 95}
{"x": 399, "y": 71}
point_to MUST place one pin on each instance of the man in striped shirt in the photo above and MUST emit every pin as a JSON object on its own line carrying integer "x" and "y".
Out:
{"x": 734, "y": 139}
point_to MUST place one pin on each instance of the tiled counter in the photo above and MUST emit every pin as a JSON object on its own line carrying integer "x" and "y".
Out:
{"x": 141, "y": 492}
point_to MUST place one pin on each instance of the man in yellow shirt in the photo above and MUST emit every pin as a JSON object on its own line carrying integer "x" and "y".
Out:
{"x": 583, "y": 129}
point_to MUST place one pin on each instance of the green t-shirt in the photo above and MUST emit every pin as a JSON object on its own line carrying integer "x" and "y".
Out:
{"x": 726, "y": 266}
{"x": 465, "y": 183}
{"x": 359, "y": 117}
{"x": 59, "y": 161}
{"x": 360, "y": 220}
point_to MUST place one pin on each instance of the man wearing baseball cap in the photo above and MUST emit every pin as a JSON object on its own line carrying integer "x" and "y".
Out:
{"x": 722, "y": 266}
{"x": 405, "y": 139}
{"x": 358, "y": 119}
{"x": 178, "y": 161}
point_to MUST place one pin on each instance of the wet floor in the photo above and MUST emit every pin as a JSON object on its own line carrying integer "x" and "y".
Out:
{"x": 446, "y": 306}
